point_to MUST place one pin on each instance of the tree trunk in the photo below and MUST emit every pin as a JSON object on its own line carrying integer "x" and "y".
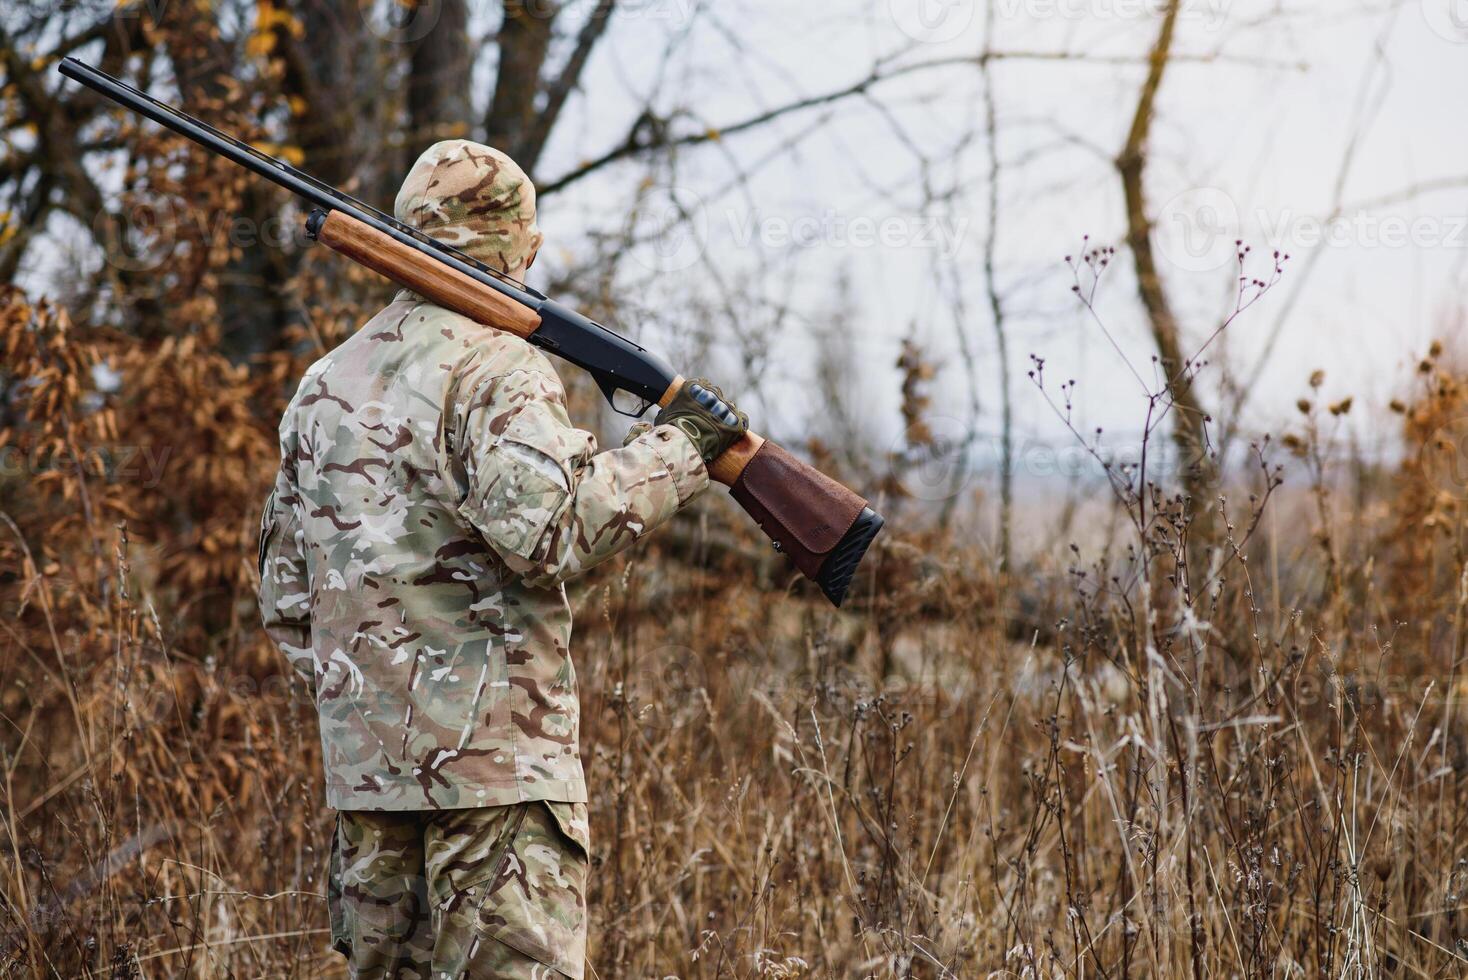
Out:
{"x": 1189, "y": 422}
{"x": 524, "y": 40}
{"x": 439, "y": 70}
{"x": 318, "y": 81}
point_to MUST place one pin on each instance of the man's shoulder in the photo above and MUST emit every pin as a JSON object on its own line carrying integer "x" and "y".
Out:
{"x": 432, "y": 349}
{"x": 413, "y": 329}
{"x": 458, "y": 344}
{"x": 483, "y": 354}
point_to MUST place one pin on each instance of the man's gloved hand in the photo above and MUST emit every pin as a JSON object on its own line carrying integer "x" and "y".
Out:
{"x": 706, "y": 416}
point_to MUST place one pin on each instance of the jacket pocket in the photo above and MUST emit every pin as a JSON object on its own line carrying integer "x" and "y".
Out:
{"x": 525, "y": 491}
{"x": 572, "y": 820}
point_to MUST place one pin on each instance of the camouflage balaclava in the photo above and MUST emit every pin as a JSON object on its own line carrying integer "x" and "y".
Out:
{"x": 475, "y": 198}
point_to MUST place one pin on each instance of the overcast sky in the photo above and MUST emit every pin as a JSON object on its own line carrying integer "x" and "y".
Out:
{"x": 1255, "y": 123}
{"x": 1258, "y": 116}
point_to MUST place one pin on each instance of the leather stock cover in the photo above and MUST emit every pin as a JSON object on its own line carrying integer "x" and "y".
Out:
{"x": 805, "y": 512}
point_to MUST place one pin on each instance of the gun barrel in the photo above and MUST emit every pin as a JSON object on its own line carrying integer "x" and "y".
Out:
{"x": 317, "y": 192}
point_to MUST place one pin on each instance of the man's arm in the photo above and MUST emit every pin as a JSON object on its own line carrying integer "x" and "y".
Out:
{"x": 547, "y": 503}
{"x": 285, "y": 588}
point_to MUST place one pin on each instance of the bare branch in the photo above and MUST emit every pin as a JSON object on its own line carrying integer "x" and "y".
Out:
{"x": 649, "y": 131}
{"x": 532, "y": 143}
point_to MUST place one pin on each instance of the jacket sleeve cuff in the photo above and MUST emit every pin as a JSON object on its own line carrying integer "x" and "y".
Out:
{"x": 680, "y": 456}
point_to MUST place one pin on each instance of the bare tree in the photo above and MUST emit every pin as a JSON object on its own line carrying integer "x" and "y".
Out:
{"x": 996, "y": 306}
{"x": 1190, "y": 435}
{"x": 440, "y": 64}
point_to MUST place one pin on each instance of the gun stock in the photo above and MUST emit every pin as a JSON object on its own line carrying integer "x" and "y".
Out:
{"x": 823, "y": 528}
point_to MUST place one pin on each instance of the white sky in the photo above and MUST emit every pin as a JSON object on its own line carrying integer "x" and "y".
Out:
{"x": 1260, "y": 131}
{"x": 1254, "y": 122}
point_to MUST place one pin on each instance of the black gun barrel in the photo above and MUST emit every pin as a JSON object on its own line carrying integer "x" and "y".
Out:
{"x": 318, "y": 192}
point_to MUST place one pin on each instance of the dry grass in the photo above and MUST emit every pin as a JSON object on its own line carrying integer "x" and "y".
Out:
{"x": 1161, "y": 756}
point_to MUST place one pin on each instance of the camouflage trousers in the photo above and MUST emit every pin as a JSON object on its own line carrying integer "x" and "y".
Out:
{"x": 496, "y": 892}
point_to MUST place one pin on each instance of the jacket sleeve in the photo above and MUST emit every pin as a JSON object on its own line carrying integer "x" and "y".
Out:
{"x": 540, "y": 494}
{"x": 285, "y": 588}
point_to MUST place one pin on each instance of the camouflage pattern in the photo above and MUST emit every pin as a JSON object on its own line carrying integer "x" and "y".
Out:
{"x": 475, "y": 198}
{"x": 489, "y": 892}
{"x": 433, "y": 497}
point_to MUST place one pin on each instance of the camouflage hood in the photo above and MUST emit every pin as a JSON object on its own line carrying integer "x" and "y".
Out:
{"x": 475, "y": 198}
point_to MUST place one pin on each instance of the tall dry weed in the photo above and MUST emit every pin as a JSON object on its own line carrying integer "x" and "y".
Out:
{"x": 1174, "y": 755}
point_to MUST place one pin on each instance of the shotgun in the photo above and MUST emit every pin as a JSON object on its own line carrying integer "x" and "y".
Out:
{"x": 820, "y": 525}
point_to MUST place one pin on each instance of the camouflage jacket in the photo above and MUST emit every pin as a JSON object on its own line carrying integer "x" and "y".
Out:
{"x": 432, "y": 498}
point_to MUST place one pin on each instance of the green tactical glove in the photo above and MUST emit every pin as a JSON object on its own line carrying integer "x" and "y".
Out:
{"x": 706, "y": 417}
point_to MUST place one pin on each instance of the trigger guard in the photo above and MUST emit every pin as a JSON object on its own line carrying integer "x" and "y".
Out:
{"x": 610, "y": 392}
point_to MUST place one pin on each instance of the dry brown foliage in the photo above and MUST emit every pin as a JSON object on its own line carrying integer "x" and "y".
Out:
{"x": 1080, "y": 772}
{"x": 1161, "y": 753}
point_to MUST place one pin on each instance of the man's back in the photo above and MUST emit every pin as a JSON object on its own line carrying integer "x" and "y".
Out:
{"x": 408, "y": 601}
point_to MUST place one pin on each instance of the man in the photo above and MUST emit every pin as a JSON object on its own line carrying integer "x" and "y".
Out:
{"x": 432, "y": 498}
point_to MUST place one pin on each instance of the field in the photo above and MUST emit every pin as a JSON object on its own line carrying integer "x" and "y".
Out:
{"x": 1207, "y": 741}
{"x": 1187, "y": 707}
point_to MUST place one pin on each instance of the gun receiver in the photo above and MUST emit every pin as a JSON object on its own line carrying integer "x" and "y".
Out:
{"x": 823, "y": 527}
